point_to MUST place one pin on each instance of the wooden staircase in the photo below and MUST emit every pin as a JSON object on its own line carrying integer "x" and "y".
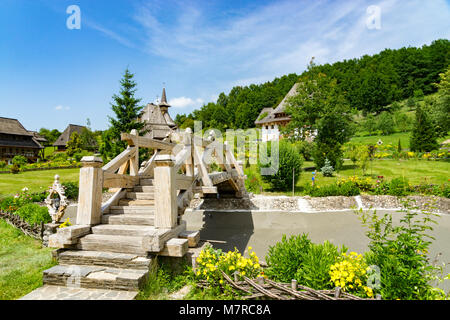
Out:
{"x": 113, "y": 244}
{"x": 115, "y": 255}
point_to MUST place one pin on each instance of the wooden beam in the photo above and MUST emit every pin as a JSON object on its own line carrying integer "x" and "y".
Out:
{"x": 183, "y": 182}
{"x": 115, "y": 163}
{"x": 201, "y": 167}
{"x": 144, "y": 142}
{"x": 113, "y": 180}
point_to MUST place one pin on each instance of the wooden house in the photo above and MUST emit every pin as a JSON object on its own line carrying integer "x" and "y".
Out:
{"x": 16, "y": 140}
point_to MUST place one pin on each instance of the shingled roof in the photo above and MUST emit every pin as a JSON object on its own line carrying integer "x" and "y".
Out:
{"x": 13, "y": 126}
{"x": 157, "y": 118}
{"x": 277, "y": 114}
{"x": 64, "y": 138}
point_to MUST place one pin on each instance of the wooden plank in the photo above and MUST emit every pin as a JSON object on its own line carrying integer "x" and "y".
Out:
{"x": 115, "y": 163}
{"x": 144, "y": 142}
{"x": 201, "y": 167}
{"x": 113, "y": 180}
{"x": 204, "y": 189}
{"x": 183, "y": 182}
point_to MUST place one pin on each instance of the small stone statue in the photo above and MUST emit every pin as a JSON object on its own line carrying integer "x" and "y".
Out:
{"x": 56, "y": 201}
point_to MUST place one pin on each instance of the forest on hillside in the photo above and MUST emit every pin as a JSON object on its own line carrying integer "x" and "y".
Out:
{"x": 369, "y": 84}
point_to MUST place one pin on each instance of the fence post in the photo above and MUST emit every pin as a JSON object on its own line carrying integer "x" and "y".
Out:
{"x": 90, "y": 194}
{"x": 166, "y": 212}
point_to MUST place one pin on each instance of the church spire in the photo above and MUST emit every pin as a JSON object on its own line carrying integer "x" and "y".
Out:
{"x": 163, "y": 102}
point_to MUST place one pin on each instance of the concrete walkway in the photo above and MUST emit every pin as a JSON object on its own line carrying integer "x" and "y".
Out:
{"x": 260, "y": 230}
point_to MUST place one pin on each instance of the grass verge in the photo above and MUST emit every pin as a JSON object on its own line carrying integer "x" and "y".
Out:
{"x": 22, "y": 260}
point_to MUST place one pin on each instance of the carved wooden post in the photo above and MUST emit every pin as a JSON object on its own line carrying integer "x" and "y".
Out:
{"x": 90, "y": 194}
{"x": 165, "y": 188}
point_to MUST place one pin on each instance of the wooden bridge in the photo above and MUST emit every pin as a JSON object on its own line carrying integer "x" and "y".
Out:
{"x": 112, "y": 244}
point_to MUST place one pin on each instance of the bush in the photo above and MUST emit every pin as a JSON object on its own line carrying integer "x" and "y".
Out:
{"x": 400, "y": 252}
{"x": 399, "y": 187}
{"x": 347, "y": 189}
{"x": 15, "y": 169}
{"x": 316, "y": 262}
{"x": 305, "y": 148}
{"x": 289, "y": 159}
{"x": 351, "y": 273}
{"x": 59, "y": 156}
{"x": 34, "y": 214}
{"x": 71, "y": 189}
{"x": 386, "y": 123}
{"x": 2, "y": 164}
{"x": 254, "y": 182}
{"x": 332, "y": 152}
{"x": 77, "y": 156}
{"x": 285, "y": 257}
{"x": 327, "y": 169}
{"x": 19, "y": 161}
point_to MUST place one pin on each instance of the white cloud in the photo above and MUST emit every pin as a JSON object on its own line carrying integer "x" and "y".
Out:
{"x": 183, "y": 102}
{"x": 60, "y": 107}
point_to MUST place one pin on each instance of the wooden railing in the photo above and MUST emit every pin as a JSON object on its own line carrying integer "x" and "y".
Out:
{"x": 177, "y": 167}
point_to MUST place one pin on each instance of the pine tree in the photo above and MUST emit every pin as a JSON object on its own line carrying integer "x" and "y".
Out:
{"x": 126, "y": 108}
{"x": 423, "y": 137}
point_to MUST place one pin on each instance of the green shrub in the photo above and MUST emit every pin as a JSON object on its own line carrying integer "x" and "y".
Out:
{"x": 332, "y": 152}
{"x": 15, "y": 168}
{"x": 77, "y": 156}
{"x": 59, "y": 156}
{"x": 327, "y": 169}
{"x": 8, "y": 204}
{"x": 289, "y": 159}
{"x": 33, "y": 214}
{"x": 254, "y": 181}
{"x": 399, "y": 187}
{"x": 400, "y": 252}
{"x": 316, "y": 262}
{"x": 386, "y": 123}
{"x": 305, "y": 148}
{"x": 19, "y": 160}
{"x": 347, "y": 189}
{"x": 285, "y": 257}
{"x": 71, "y": 189}
{"x": 2, "y": 164}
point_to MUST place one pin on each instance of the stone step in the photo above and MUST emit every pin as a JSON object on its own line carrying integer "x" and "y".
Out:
{"x": 141, "y": 195}
{"x": 112, "y": 243}
{"x": 97, "y": 277}
{"x": 146, "y": 182}
{"x": 105, "y": 259}
{"x": 143, "y": 210}
{"x": 144, "y": 189}
{"x": 124, "y": 230}
{"x": 129, "y": 219}
{"x": 48, "y": 292}
{"x": 128, "y": 202}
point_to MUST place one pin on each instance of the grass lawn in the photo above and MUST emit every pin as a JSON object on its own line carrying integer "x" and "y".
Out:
{"x": 416, "y": 171}
{"x": 34, "y": 180}
{"x": 390, "y": 139}
{"x": 22, "y": 260}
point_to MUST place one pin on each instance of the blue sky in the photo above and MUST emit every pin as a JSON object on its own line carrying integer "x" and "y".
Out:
{"x": 51, "y": 76}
